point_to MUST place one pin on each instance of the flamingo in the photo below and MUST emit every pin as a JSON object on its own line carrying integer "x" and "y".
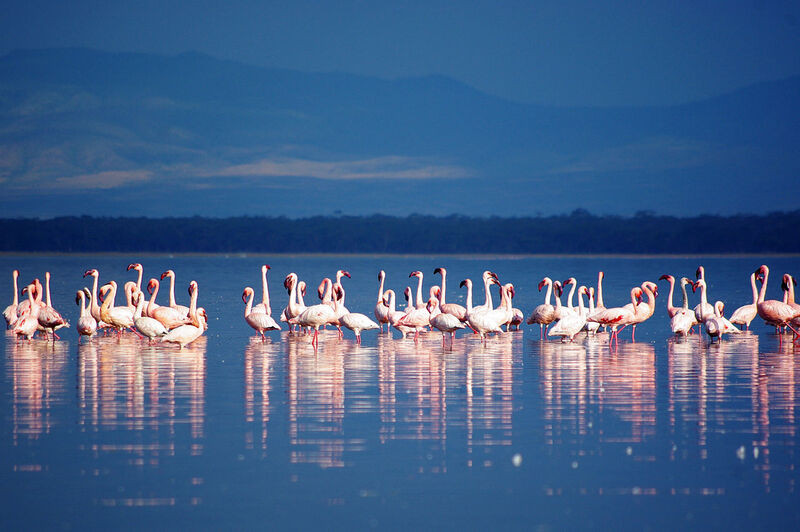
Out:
{"x": 381, "y": 310}
{"x": 481, "y": 319}
{"x": 746, "y": 313}
{"x": 189, "y": 332}
{"x": 28, "y": 321}
{"x": 396, "y": 315}
{"x": 149, "y": 327}
{"x": 773, "y": 311}
{"x": 459, "y": 311}
{"x": 443, "y": 321}
{"x": 684, "y": 319}
{"x": 168, "y": 316}
{"x": 10, "y": 312}
{"x": 702, "y": 310}
{"x": 671, "y": 310}
{"x": 264, "y": 306}
{"x": 316, "y": 316}
{"x": 616, "y": 316}
{"x": 717, "y": 325}
{"x": 260, "y": 321}
{"x": 591, "y": 327}
{"x": 94, "y": 307}
{"x": 644, "y": 311}
{"x": 357, "y": 322}
{"x": 515, "y": 315}
{"x": 87, "y": 325}
{"x": 117, "y": 317}
{"x": 788, "y": 285}
{"x": 571, "y": 323}
{"x": 49, "y": 318}
{"x": 544, "y": 314}
{"x": 180, "y": 308}
{"x": 417, "y": 317}
{"x": 293, "y": 308}
{"x": 138, "y": 267}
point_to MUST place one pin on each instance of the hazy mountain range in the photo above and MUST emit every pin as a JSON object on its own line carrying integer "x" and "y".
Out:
{"x": 130, "y": 134}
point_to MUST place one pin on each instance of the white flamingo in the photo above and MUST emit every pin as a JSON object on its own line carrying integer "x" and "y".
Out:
{"x": 149, "y": 327}
{"x": 49, "y": 318}
{"x": 459, "y": 311}
{"x": 381, "y": 310}
{"x": 746, "y": 313}
{"x": 544, "y": 314}
{"x": 316, "y": 316}
{"x": 184, "y": 311}
{"x": 28, "y": 321}
{"x": 87, "y": 325}
{"x": 188, "y": 333}
{"x": 447, "y": 323}
{"x": 168, "y": 316}
{"x": 357, "y": 322}
{"x": 10, "y": 312}
{"x": 260, "y": 321}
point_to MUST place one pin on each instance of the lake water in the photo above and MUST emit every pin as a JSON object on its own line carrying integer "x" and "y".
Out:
{"x": 232, "y": 432}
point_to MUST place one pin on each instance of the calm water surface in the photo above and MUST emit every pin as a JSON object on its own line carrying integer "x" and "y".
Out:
{"x": 232, "y": 432}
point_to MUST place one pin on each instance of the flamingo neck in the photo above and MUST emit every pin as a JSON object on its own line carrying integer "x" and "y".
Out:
{"x": 293, "y": 304}
{"x": 469, "y": 297}
{"x": 569, "y": 297}
{"x": 419, "y": 301}
{"x": 16, "y": 290}
{"x": 487, "y": 287}
{"x": 139, "y": 279}
{"x": 139, "y": 307}
{"x": 93, "y": 304}
{"x": 249, "y": 307}
{"x": 380, "y": 288}
{"x": 600, "y": 290}
{"x": 790, "y": 291}
{"x": 391, "y": 300}
{"x": 671, "y": 290}
{"x": 686, "y": 295}
{"x": 47, "y": 289}
{"x": 444, "y": 287}
{"x": 763, "y": 294}
{"x": 558, "y": 301}
{"x": 580, "y": 302}
{"x": 265, "y": 292}
{"x": 172, "y": 291}
{"x": 703, "y": 295}
{"x": 300, "y": 300}
{"x": 549, "y": 291}
{"x": 753, "y": 287}
{"x": 151, "y": 305}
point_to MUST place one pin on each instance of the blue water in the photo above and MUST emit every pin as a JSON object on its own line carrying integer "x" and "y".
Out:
{"x": 519, "y": 433}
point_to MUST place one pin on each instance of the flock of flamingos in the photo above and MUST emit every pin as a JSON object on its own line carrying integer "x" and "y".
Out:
{"x": 177, "y": 324}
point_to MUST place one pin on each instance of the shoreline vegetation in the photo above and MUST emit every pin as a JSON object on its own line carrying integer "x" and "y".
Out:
{"x": 577, "y": 233}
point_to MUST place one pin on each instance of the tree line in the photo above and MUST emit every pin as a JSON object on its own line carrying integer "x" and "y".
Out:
{"x": 576, "y": 233}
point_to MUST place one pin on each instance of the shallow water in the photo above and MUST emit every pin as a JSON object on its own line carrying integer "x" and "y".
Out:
{"x": 516, "y": 433}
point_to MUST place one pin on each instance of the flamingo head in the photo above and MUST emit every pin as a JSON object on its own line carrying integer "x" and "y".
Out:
{"x": 586, "y": 292}
{"x": 166, "y": 274}
{"x": 415, "y": 274}
{"x": 510, "y": 289}
{"x": 381, "y": 275}
{"x": 342, "y": 273}
{"x": 302, "y": 287}
{"x": 87, "y": 273}
{"x": 465, "y": 282}
{"x": 78, "y": 296}
{"x": 440, "y": 271}
{"x": 265, "y": 267}
{"x": 192, "y": 287}
{"x": 698, "y": 284}
{"x": 544, "y": 282}
{"x": 246, "y": 293}
{"x": 134, "y": 266}
{"x": 321, "y": 288}
{"x": 386, "y": 296}
{"x": 558, "y": 289}
{"x": 699, "y": 273}
{"x": 287, "y": 282}
{"x": 152, "y": 284}
{"x": 571, "y": 280}
{"x": 202, "y": 313}
{"x": 720, "y": 306}
{"x": 666, "y": 277}
{"x": 436, "y": 291}
{"x": 26, "y": 289}
{"x": 407, "y": 293}
{"x": 15, "y": 274}
{"x": 652, "y": 287}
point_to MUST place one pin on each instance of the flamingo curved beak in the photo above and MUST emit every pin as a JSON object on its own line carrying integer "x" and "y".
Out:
{"x": 165, "y": 274}
{"x": 463, "y": 284}
{"x": 664, "y": 277}
{"x": 437, "y": 270}
{"x": 541, "y": 285}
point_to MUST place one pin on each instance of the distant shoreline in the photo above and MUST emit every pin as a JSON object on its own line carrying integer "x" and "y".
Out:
{"x": 464, "y": 256}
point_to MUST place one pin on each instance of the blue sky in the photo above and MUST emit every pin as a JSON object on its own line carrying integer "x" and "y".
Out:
{"x": 561, "y": 53}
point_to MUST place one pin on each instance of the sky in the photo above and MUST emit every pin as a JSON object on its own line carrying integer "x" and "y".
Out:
{"x": 563, "y": 53}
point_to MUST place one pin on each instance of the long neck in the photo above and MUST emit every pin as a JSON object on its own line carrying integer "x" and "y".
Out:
{"x": 249, "y": 306}
{"x": 790, "y": 285}
{"x": 671, "y": 290}
{"x": 580, "y": 301}
{"x": 139, "y": 306}
{"x": 47, "y": 288}
{"x": 702, "y": 273}
{"x": 82, "y": 296}
{"x": 633, "y": 299}
{"x": 558, "y": 301}
{"x": 487, "y": 286}
{"x": 299, "y": 296}
{"x": 591, "y": 301}
{"x": 549, "y": 292}
{"x": 193, "y": 308}
{"x": 600, "y": 290}
{"x": 139, "y": 279}
{"x": 16, "y": 290}
{"x": 152, "y": 304}
{"x": 763, "y": 293}
{"x": 419, "y": 300}
{"x": 686, "y": 296}
{"x": 94, "y": 293}
{"x": 704, "y": 296}
{"x": 569, "y": 297}
{"x": 265, "y": 291}
{"x": 391, "y": 300}
{"x": 293, "y": 304}
{"x": 172, "y": 290}
{"x": 328, "y": 288}
{"x": 651, "y": 300}
{"x": 469, "y": 297}
{"x": 753, "y": 286}
{"x": 444, "y": 287}
{"x": 380, "y": 288}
